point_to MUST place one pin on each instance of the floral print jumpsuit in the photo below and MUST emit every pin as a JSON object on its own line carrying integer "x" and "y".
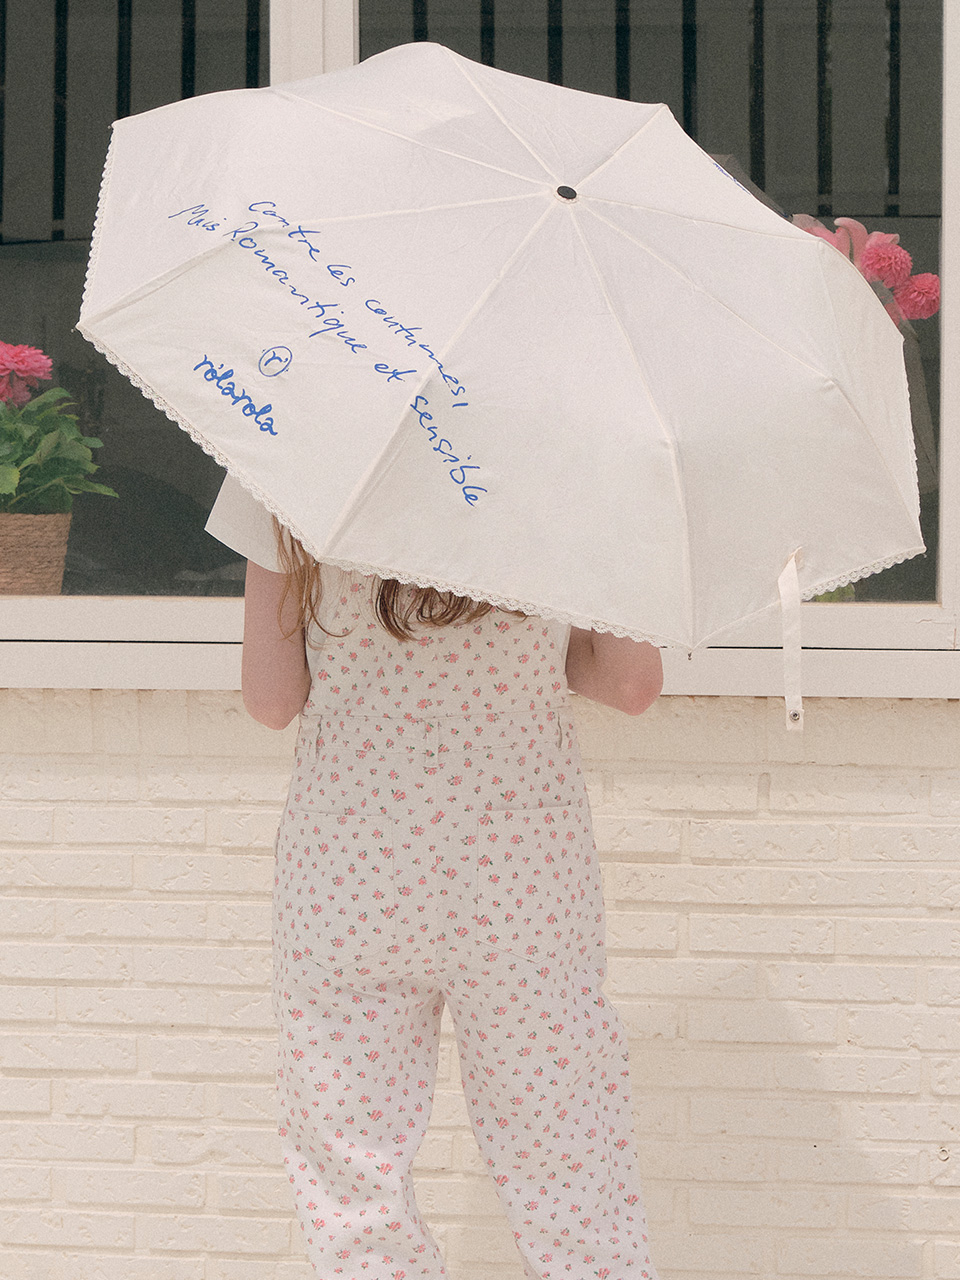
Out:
{"x": 436, "y": 849}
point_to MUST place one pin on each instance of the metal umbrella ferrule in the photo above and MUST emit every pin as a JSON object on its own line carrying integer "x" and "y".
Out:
{"x": 566, "y": 193}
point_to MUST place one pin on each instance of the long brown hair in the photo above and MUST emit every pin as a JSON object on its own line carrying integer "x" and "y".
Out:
{"x": 397, "y": 606}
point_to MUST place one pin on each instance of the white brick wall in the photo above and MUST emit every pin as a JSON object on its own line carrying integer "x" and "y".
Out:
{"x": 784, "y": 949}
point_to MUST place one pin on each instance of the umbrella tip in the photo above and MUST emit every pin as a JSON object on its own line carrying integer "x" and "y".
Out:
{"x": 566, "y": 193}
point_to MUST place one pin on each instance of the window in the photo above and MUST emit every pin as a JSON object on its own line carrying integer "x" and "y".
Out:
{"x": 97, "y": 61}
{"x": 834, "y": 108}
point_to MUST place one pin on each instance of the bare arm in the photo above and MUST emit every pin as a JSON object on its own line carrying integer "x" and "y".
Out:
{"x": 620, "y": 673}
{"x": 275, "y": 677}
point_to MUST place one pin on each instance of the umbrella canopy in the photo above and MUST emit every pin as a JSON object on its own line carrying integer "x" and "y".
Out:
{"x": 531, "y": 345}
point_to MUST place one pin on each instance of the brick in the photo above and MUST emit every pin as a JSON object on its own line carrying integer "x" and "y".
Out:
{"x": 919, "y": 732}
{"x": 262, "y": 1269}
{"x": 667, "y": 1068}
{"x": 254, "y": 1192}
{"x": 790, "y": 1118}
{"x": 842, "y": 983}
{"x": 947, "y": 1259}
{"x": 201, "y": 873}
{"x": 758, "y": 1022}
{"x": 213, "y": 780}
{"x": 214, "y": 1056}
{"x": 721, "y": 979}
{"x": 23, "y": 825}
{"x": 216, "y": 1147}
{"x": 844, "y": 1162}
{"x": 690, "y": 792}
{"x": 58, "y": 1227}
{"x": 764, "y": 1207}
{"x": 858, "y": 1259}
{"x": 762, "y": 841}
{"x": 843, "y": 887}
{"x": 649, "y": 1021}
{"x": 46, "y": 720}
{"x": 133, "y": 1006}
{"x": 248, "y": 828}
{"x": 704, "y": 1255}
{"x": 463, "y": 1197}
{"x": 18, "y": 1095}
{"x": 218, "y": 725}
{"x": 905, "y": 843}
{"x": 28, "y": 1004}
{"x": 232, "y": 921}
{"x": 818, "y": 790}
{"x": 163, "y": 722}
{"x": 202, "y": 966}
{"x": 26, "y": 917}
{"x": 863, "y": 936}
{"x": 250, "y": 1103}
{"x": 641, "y": 931}
{"x": 889, "y": 1121}
{"x": 945, "y": 1077}
{"x": 23, "y": 1182}
{"x": 727, "y": 731}
{"x": 38, "y": 1051}
{"x": 122, "y": 1098}
{"x": 45, "y": 1143}
{"x": 74, "y": 870}
{"x": 940, "y": 1030}
{"x": 769, "y": 935}
{"x": 623, "y": 833}
{"x": 883, "y": 1028}
{"x": 706, "y": 1162}
{"x": 644, "y": 882}
{"x": 130, "y": 1187}
{"x": 943, "y": 984}
{"x": 241, "y": 1010}
{"x": 848, "y": 1073}
{"x": 49, "y": 778}
{"x": 116, "y": 721}
{"x": 879, "y": 1212}
{"x": 82, "y": 963}
{"x": 188, "y": 1233}
{"x": 90, "y": 918}
{"x": 945, "y": 794}
{"x": 123, "y": 824}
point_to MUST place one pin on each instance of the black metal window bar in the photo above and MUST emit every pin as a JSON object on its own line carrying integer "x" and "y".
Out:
{"x": 26, "y": 27}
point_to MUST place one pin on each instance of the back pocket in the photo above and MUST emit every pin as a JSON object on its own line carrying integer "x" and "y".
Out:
{"x": 539, "y": 894}
{"x": 335, "y": 887}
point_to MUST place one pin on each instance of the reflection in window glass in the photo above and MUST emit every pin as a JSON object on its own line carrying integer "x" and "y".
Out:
{"x": 69, "y": 71}
{"x": 831, "y": 107}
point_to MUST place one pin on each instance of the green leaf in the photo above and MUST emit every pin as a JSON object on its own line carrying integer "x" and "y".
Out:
{"x": 9, "y": 479}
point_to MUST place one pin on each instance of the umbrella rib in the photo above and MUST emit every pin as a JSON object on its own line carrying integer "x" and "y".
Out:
{"x": 667, "y": 433}
{"x": 502, "y": 118}
{"x": 395, "y": 133}
{"x": 626, "y": 143}
{"x": 670, "y": 266}
{"x": 683, "y": 217}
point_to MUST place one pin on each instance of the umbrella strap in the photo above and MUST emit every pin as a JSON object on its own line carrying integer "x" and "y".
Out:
{"x": 789, "y": 587}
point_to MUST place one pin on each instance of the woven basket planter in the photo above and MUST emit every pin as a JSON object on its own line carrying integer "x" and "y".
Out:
{"x": 32, "y": 554}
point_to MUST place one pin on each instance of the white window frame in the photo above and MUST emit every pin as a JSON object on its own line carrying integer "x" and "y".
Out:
{"x": 850, "y": 650}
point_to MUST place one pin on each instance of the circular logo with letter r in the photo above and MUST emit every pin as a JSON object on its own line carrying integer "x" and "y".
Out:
{"x": 274, "y": 361}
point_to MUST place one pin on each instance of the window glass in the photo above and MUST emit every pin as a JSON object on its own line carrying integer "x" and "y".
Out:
{"x": 831, "y": 107}
{"x": 69, "y": 70}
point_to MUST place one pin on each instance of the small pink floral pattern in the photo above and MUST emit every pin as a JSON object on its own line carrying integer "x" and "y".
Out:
{"x": 436, "y": 849}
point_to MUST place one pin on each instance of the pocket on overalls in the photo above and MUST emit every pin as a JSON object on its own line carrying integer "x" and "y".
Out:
{"x": 539, "y": 894}
{"x": 335, "y": 890}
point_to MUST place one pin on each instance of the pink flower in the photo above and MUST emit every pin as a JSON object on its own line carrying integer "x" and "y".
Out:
{"x": 839, "y": 239}
{"x": 21, "y": 368}
{"x": 919, "y": 296}
{"x": 885, "y": 260}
